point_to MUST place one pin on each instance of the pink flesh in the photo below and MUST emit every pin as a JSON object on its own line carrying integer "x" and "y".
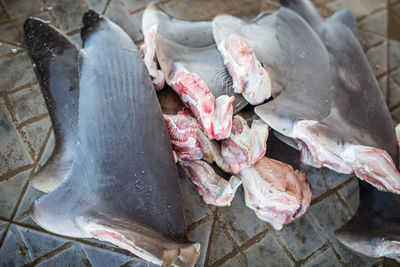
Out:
{"x": 120, "y": 241}
{"x": 370, "y": 164}
{"x": 313, "y": 153}
{"x": 276, "y": 192}
{"x": 214, "y": 189}
{"x": 374, "y": 166}
{"x": 148, "y": 52}
{"x": 249, "y": 78}
{"x": 245, "y": 146}
{"x": 182, "y": 131}
{"x": 213, "y": 115}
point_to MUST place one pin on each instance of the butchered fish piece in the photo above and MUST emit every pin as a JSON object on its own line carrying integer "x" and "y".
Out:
{"x": 118, "y": 189}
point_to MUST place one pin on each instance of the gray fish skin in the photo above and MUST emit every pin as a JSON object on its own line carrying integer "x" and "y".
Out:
{"x": 345, "y": 17}
{"x": 306, "y": 94}
{"x": 187, "y": 33}
{"x": 120, "y": 189}
{"x": 375, "y": 228}
{"x": 56, "y": 60}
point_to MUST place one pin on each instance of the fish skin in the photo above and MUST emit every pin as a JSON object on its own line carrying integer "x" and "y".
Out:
{"x": 304, "y": 97}
{"x": 375, "y": 228}
{"x": 56, "y": 59}
{"x": 118, "y": 189}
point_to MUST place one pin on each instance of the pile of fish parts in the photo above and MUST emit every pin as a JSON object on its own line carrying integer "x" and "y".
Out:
{"x": 113, "y": 173}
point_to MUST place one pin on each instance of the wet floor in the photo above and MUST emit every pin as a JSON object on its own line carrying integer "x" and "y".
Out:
{"x": 230, "y": 236}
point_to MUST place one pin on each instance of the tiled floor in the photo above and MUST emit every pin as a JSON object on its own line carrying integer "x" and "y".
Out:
{"x": 230, "y": 236}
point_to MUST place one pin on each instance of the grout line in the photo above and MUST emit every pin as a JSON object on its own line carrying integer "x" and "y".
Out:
{"x": 2, "y": 7}
{"x": 330, "y": 192}
{"x": 49, "y": 255}
{"x": 372, "y": 32}
{"x": 12, "y": 173}
{"x": 4, "y": 235}
{"x": 325, "y": 236}
{"x": 345, "y": 204}
{"x": 258, "y": 237}
{"x": 198, "y": 224}
{"x": 373, "y": 12}
{"x": 374, "y": 45}
{"x": 28, "y": 148}
{"x": 284, "y": 248}
{"x": 83, "y": 255}
{"x": 21, "y": 196}
{"x": 210, "y": 238}
{"x": 106, "y": 7}
{"x": 315, "y": 253}
{"x": 80, "y": 240}
{"x": 32, "y": 120}
{"x": 25, "y": 86}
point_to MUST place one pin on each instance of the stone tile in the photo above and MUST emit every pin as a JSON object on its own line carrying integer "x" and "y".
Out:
{"x": 300, "y": 238}
{"x": 104, "y": 257}
{"x": 334, "y": 179}
{"x": 136, "y": 262}
{"x": 202, "y": 235}
{"x": 35, "y": 133}
{"x": 134, "y": 5}
{"x": 68, "y": 14}
{"x": 267, "y": 5}
{"x": 220, "y": 244}
{"x": 19, "y": 74}
{"x": 22, "y": 214}
{"x": 241, "y": 222}
{"x": 20, "y": 8}
{"x": 194, "y": 207}
{"x": 8, "y": 49}
{"x": 326, "y": 258}
{"x": 69, "y": 257}
{"x": 368, "y": 39}
{"x": 12, "y": 32}
{"x": 38, "y": 243}
{"x": 394, "y": 48}
{"x": 48, "y": 151}
{"x": 357, "y": 7}
{"x": 394, "y": 87}
{"x": 97, "y": 5}
{"x": 3, "y": 16}
{"x": 350, "y": 193}
{"x": 14, "y": 251}
{"x": 267, "y": 252}
{"x": 317, "y": 180}
{"x": 376, "y": 23}
{"x": 12, "y": 150}
{"x": 10, "y": 191}
{"x": 203, "y": 9}
{"x": 377, "y": 58}
{"x": 331, "y": 215}
{"x": 28, "y": 103}
{"x": 238, "y": 260}
{"x": 120, "y": 15}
